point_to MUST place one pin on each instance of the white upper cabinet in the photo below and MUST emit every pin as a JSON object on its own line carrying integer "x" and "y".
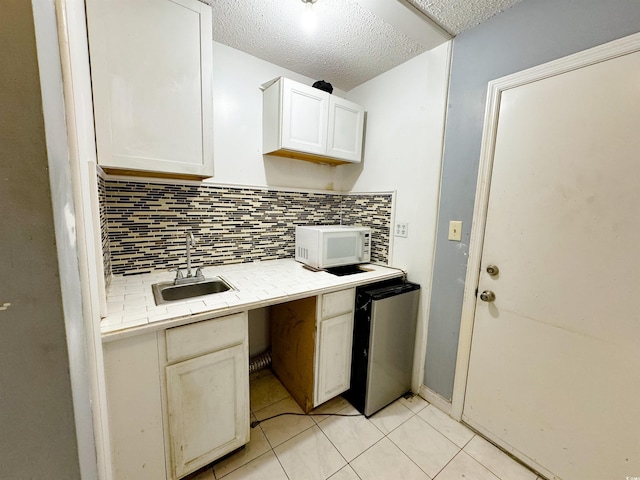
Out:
{"x": 305, "y": 113}
{"x": 151, "y": 73}
{"x": 299, "y": 121}
{"x": 345, "y": 129}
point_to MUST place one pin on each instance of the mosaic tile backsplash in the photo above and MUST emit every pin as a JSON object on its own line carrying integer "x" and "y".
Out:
{"x": 147, "y": 222}
{"x": 104, "y": 230}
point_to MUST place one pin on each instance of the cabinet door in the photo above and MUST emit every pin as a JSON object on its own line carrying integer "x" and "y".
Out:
{"x": 151, "y": 73}
{"x": 305, "y": 113}
{"x": 207, "y": 400}
{"x": 333, "y": 369}
{"x": 346, "y": 123}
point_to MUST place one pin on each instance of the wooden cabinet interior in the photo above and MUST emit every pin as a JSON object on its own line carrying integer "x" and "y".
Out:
{"x": 293, "y": 339}
{"x": 311, "y": 346}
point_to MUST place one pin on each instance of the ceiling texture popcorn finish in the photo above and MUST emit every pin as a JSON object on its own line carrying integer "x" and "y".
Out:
{"x": 349, "y": 46}
{"x": 354, "y": 40}
{"x": 456, "y": 16}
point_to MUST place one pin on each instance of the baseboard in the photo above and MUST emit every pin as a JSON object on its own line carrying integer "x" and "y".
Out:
{"x": 436, "y": 400}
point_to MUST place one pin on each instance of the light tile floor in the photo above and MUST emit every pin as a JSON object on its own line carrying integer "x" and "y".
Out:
{"x": 408, "y": 440}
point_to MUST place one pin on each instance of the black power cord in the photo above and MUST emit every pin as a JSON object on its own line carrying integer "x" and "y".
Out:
{"x": 255, "y": 423}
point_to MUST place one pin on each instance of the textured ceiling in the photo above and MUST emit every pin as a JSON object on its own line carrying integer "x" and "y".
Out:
{"x": 456, "y": 16}
{"x": 350, "y": 44}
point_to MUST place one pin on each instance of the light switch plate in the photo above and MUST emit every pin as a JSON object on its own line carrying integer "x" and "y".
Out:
{"x": 402, "y": 230}
{"x": 455, "y": 230}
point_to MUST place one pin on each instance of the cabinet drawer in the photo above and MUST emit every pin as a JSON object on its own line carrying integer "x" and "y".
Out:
{"x": 337, "y": 303}
{"x": 208, "y": 336}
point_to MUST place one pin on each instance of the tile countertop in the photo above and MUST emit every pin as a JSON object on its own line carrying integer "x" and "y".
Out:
{"x": 131, "y": 309}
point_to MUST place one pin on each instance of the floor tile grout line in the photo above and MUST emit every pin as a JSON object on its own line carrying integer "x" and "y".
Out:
{"x": 325, "y": 416}
{"x": 333, "y": 444}
{"x": 398, "y": 426}
{"x": 384, "y": 435}
{"x": 460, "y": 449}
{"x": 354, "y": 471}
{"x": 279, "y": 462}
{"x": 480, "y": 461}
{"x": 469, "y": 441}
{"x": 422, "y": 469}
{"x": 346, "y": 462}
{"x": 446, "y": 465}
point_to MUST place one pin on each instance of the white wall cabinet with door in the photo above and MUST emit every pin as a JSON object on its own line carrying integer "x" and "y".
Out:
{"x": 151, "y": 74}
{"x": 311, "y": 341}
{"x": 178, "y": 399}
{"x": 306, "y": 123}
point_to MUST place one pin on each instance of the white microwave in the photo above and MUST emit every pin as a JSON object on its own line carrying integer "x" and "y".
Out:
{"x": 332, "y": 245}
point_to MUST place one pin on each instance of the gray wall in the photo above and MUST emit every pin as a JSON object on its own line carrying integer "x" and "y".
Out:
{"x": 530, "y": 33}
{"x": 38, "y": 438}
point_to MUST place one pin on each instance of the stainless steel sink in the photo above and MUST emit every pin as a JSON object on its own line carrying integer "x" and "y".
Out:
{"x": 166, "y": 292}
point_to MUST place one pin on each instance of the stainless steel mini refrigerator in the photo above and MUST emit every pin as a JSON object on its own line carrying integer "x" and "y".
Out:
{"x": 383, "y": 344}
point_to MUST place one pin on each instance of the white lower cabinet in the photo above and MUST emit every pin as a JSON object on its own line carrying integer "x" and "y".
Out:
{"x": 311, "y": 341}
{"x": 178, "y": 399}
{"x": 207, "y": 391}
{"x": 333, "y": 344}
{"x": 208, "y": 411}
{"x": 134, "y": 403}
{"x": 335, "y": 337}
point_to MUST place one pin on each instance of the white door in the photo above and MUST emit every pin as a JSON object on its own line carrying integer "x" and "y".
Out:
{"x": 208, "y": 412}
{"x": 554, "y": 373}
{"x": 305, "y": 113}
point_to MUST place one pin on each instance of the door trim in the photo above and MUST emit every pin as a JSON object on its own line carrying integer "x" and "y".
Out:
{"x": 601, "y": 53}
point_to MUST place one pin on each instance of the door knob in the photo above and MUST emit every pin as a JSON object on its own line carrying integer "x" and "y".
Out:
{"x": 493, "y": 270}
{"x": 487, "y": 296}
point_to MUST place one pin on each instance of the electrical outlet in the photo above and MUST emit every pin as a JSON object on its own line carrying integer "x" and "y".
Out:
{"x": 455, "y": 230}
{"x": 402, "y": 230}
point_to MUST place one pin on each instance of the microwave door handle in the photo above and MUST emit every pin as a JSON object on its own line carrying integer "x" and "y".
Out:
{"x": 360, "y": 247}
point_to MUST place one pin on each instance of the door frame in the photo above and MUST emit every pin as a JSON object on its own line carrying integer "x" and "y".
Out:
{"x": 601, "y": 53}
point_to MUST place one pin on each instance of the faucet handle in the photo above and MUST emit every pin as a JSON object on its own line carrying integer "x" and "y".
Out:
{"x": 178, "y": 272}
{"x": 199, "y": 273}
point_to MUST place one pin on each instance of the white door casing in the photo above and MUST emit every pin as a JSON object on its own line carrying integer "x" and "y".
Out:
{"x": 553, "y": 371}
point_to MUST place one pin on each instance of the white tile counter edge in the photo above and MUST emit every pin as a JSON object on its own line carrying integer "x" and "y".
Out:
{"x": 132, "y": 309}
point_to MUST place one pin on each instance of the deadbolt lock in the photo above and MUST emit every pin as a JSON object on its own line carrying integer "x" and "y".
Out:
{"x": 487, "y": 296}
{"x": 492, "y": 270}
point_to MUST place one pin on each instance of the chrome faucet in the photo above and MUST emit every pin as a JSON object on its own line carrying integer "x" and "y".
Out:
{"x": 180, "y": 278}
{"x": 191, "y": 242}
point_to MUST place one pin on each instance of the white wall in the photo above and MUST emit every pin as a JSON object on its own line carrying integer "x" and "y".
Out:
{"x": 237, "y": 126}
{"x": 403, "y": 149}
